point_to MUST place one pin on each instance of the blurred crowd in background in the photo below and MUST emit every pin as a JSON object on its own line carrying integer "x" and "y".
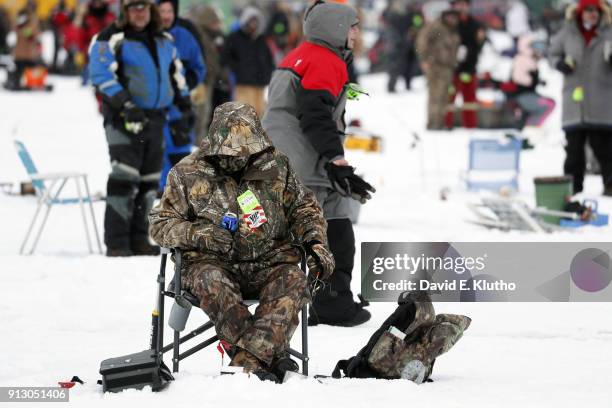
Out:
{"x": 389, "y": 27}
{"x": 463, "y": 48}
{"x": 388, "y": 43}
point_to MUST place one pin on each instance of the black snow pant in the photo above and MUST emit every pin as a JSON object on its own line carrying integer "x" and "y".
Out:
{"x": 13, "y": 80}
{"x": 402, "y": 63}
{"x": 575, "y": 160}
{"x": 136, "y": 162}
{"x": 335, "y": 301}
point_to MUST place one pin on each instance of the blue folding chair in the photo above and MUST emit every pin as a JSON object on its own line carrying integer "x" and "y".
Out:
{"x": 493, "y": 164}
{"x": 49, "y": 196}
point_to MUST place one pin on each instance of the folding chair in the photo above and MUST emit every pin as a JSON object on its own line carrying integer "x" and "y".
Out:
{"x": 493, "y": 164}
{"x": 49, "y": 196}
{"x": 177, "y": 356}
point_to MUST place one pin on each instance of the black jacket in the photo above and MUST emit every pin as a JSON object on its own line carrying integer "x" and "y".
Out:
{"x": 249, "y": 59}
{"x": 468, "y": 30}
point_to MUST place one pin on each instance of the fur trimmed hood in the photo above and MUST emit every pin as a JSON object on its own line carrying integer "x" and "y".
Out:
{"x": 606, "y": 12}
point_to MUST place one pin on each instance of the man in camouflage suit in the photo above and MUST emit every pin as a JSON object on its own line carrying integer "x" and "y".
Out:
{"x": 437, "y": 47}
{"x": 238, "y": 171}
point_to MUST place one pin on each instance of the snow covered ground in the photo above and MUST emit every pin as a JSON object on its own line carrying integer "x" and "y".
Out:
{"x": 63, "y": 310}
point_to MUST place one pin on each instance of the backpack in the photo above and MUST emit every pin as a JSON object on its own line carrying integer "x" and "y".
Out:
{"x": 407, "y": 344}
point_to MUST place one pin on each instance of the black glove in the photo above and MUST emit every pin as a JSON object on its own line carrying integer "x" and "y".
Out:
{"x": 134, "y": 118}
{"x": 344, "y": 180}
{"x": 180, "y": 132}
{"x": 565, "y": 66}
{"x": 188, "y": 117}
{"x": 183, "y": 103}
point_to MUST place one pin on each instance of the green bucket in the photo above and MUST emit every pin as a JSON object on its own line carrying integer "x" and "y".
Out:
{"x": 552, "y": 193}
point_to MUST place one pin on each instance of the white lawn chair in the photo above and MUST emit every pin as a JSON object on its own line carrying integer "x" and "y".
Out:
{"x": 50, "y": 195}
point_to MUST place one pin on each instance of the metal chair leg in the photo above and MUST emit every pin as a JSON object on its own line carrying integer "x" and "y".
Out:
{"x": 304, "y": 318}
{"x": 178, "y": 260}
{"x": 41, "y": 200}
{"x": 161, "y": 280}
{"x": 40, "y": 229}
{"x": 29, "y": 232}
{"x": 46, "y": 217}
{"x": 82, "y": 206}
{"x": 305, "y": 340}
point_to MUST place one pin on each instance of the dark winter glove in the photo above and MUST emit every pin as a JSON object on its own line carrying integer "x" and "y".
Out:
{"x": 183, "y": 103}
{"x": 188, "y": 118}
{"x": 134, "y": 118}
{"x": 344, "y": 180}
{"x": 319, "y": 260}
{"x": 187, "y": 115}
{"x": 180, "y": 132}
{"x": 211, "y": 238}
{"x": 567, "y": 65}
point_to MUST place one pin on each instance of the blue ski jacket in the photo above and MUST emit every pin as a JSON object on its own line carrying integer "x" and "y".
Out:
{"x": 190, "y": 52}
{"x": 139, "y": 66}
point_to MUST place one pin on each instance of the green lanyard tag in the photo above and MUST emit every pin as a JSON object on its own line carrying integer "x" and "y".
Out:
{"x": 253, "y": 213}
{"x": 248, "y": 202}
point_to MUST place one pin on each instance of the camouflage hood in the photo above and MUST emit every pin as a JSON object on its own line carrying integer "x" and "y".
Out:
{"x": 235, "y": 131}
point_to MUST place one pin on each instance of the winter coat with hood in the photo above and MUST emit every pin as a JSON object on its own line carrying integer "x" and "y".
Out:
{"x": 139, "y": 66}
{"x": 437, "y": 45}
{"x": 205, "y": 19}
{"x": 248, "y": 55}
{"x": 189, "y": 47}
{"x": 307, "y": 94}
{"x": 592, "y": 74}
{"x": 470, "y": 32}
{"x": 205, "y": 185}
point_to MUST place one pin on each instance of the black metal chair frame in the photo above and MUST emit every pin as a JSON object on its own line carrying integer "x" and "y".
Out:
{"x": 177, "y": 356}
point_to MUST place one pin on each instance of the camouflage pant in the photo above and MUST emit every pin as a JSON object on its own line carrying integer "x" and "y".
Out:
{"x": 281, "y": 291}
{"x": 439, "y": 80}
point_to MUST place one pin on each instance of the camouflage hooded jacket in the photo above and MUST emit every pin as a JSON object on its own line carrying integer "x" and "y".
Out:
{"x": 200, "y": 193}
{"x": 437, "y": 45}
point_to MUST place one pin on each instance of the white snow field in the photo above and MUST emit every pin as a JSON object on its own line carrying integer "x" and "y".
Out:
{"x": 63, "y": 310}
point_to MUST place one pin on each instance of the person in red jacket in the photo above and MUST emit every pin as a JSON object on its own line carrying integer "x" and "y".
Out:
{"x": 304, "y": 119}
{"x": 61, "y": 19}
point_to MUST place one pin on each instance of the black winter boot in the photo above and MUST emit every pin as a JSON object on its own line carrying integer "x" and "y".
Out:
{"x": 283, "y": 364}
{"x": 118, "y": 252}
{"x": 334, "y": 304}
{"x": 264, "y": 375}
{"x": 144, "y": 248}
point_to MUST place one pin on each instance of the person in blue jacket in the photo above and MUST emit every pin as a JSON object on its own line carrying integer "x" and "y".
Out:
{"x": 178, "y": 134}
{"x": 134, "y": 66}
